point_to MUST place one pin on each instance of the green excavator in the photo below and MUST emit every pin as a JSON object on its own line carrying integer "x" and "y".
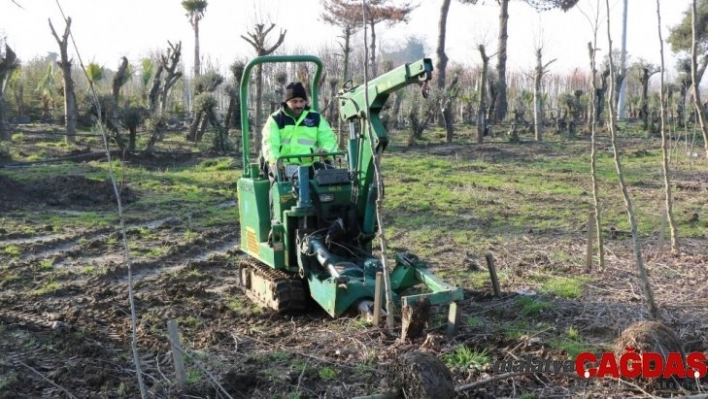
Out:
{"x": 309, "y": 233}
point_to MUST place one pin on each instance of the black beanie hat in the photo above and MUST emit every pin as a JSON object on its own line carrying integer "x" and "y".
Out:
{"x": 295, "y": 90}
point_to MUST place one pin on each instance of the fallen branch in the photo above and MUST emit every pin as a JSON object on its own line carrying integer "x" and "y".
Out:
{"x": 48, "y": 380}
{"x": 476, "y": 384}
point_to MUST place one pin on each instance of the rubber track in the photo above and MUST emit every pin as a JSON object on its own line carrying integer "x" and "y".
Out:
{"x": 289, "y": 288}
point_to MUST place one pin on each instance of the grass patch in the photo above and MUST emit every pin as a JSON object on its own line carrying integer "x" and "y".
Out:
{"x": 328, "y": 373}
{"x": 570, "y": 347}
{"x": 12, "y": 251}
{"x": 46, "y": 264}
{"x": 50, "y": 286}
{"x": 530, "y": 306}
{"x": 464, "y": 357}
{"x": 564, "y": 287}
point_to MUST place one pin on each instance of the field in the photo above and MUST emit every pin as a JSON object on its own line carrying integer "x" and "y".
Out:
{"x": 65, "y": 317}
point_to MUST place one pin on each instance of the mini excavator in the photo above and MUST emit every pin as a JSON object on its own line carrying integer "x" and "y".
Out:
{"x": 309, "y": 230}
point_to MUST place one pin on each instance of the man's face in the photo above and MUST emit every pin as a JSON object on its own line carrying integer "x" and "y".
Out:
{"x": 296, "y": 105}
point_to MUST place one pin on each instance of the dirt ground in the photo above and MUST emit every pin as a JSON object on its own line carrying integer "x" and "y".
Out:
{"x": 75, "y": 339}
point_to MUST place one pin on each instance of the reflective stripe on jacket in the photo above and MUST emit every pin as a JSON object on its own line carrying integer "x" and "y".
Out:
{"x": 283, "y": 135}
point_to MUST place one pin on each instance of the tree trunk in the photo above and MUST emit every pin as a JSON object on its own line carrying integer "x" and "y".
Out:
{"x": 194, "y": 126}
{"x": 481, "y": 112}
{"x": 197, "y": 61}
{"x": 593, "y": 156}
{"x": 153, "y": 97}
{"x": 202, "y": 128}
{"x": 644, "y": 110}
{"x": 131, "y": 138}
{"x": 69, "y": 96}
{"x": 700, "y": 110}
{"x": 664, "y": 135}
{"x": 7, "y": 65}
{"x": 374, "y": 71}
{"x": 347, "y": 51}
{"x": 441, "y": 64}
{"x": 501, "y": 105}
{"x": 652, "y": 309}
{"x": 537, "y": 113}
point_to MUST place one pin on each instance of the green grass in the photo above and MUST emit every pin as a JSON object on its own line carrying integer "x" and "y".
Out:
{"x": 464, "y": 357}
{"x": 46, "y": 264}
{"x": 530, "y": 306}
{"x": 48, "y": 287}
{"x": 12, "y": 251}
{"x": 564, "y": 287}
{"x": 328, "y": 373}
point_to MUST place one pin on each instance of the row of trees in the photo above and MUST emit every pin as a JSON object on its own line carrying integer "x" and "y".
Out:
{"x": 156, "y": 90}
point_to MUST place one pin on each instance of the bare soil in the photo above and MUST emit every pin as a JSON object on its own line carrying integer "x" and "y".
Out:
{"x": 77, "y": 336}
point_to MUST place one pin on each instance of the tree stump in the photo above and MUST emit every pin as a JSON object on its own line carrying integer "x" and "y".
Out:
{"x": 421, "y": 375}
{"x": 414, "y": 319}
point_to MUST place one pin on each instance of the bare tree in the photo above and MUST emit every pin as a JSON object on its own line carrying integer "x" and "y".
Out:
{"x": 482, "y": 111}
{"x": 700, "y": 111}
{"x": 664, "y": 135}
{"x": 258, "y": 38}
{"x": 350, "y": 13}
{"x": 195, "y": 12}
{"x": 70, "y": 110}
{"x": 441, "y": 66}
{"x": 338, "y": 14}
{"x": 652, "y": 309}
{"x": 169, "y": 61}
{"x": 500, "y": 104}
{"x": 539, "y": 71}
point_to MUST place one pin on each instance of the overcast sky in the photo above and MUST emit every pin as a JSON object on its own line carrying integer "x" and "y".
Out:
{"x": 105, "y": 30}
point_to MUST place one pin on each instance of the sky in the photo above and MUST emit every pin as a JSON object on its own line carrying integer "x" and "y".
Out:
{"x": 105, "y": 30}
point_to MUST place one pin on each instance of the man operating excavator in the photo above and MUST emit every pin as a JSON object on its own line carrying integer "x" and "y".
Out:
{"x": 296, "y": 129}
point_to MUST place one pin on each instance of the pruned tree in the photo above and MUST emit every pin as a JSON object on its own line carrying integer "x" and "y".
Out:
{"x": 233, "y": 116}
{"x": 204, "y": 84}
{"x": 441, "y": 67}
{"x": 500, "y": 105}
{"x": 132, "y": 117}
{"x": 70, "y": 110}
{"x": 644, "y": 71}
{"x": 169, "y": 61}
{"x": 258, "y": 38}
{"x": 8, "y": 64}
{"x": 652, "y": 309}
{"x": 539, "y": 71}
{"x": 337, "y": 14}
{"x": 120, "y": 78}
{"x": 195, "y": 12}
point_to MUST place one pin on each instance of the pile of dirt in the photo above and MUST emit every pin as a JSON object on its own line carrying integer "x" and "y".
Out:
{"x": 66, "y": 191}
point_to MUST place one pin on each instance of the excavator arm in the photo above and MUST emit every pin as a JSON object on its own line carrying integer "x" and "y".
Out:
{"x": 361, "y": 106}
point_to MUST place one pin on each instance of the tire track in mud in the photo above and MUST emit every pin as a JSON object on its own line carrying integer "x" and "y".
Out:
{"x": 213, "y": 242}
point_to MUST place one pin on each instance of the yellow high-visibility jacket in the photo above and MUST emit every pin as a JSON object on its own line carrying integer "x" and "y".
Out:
{"x": 283, "y": 135}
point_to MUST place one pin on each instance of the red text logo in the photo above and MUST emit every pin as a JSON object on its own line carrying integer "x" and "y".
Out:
{"x": 632, "y": 364}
